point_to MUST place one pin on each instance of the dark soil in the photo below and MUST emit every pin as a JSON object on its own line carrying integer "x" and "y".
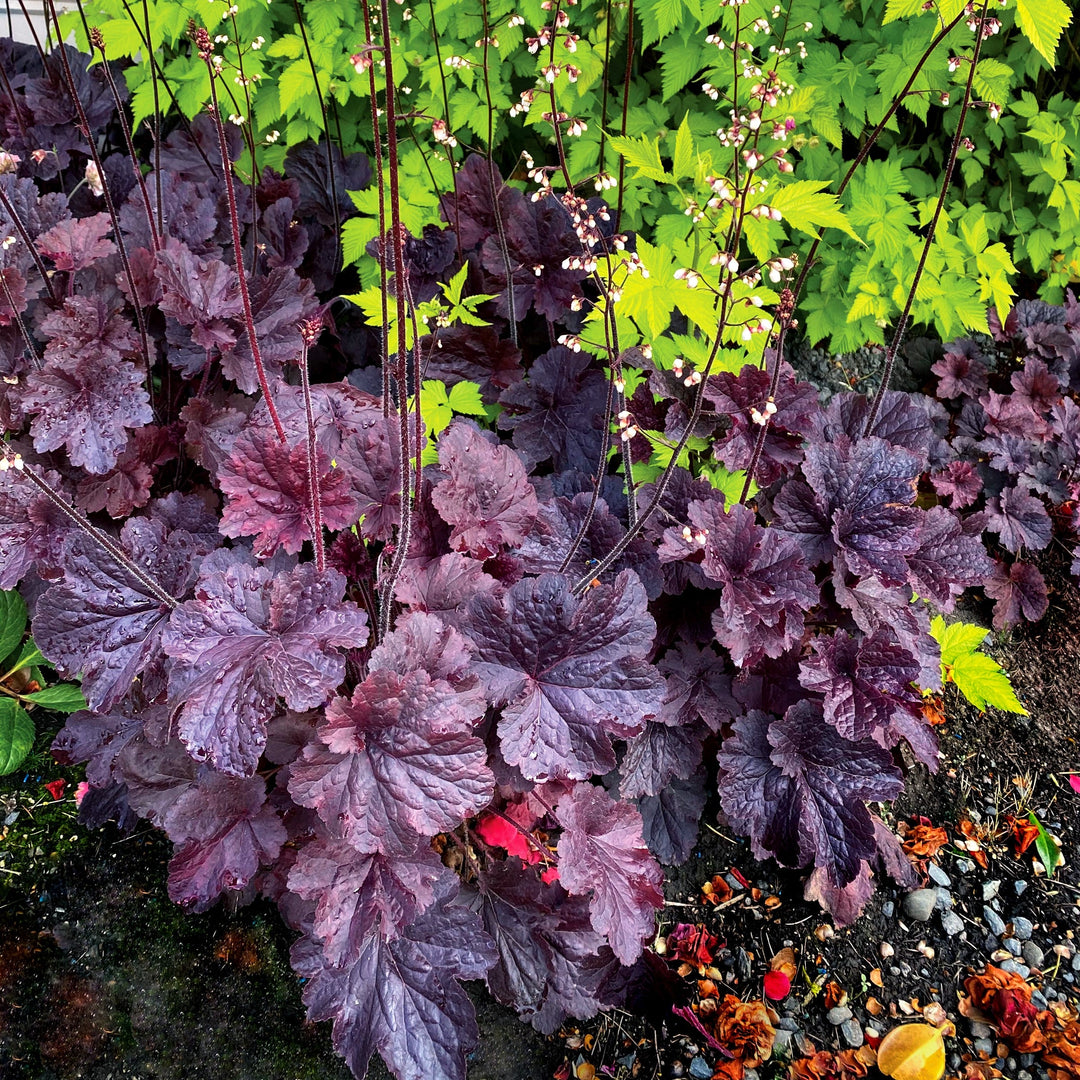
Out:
{"x": 102, "y": 977}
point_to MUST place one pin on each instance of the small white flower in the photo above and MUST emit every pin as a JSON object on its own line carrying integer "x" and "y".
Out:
{"x": 93, "y": 179}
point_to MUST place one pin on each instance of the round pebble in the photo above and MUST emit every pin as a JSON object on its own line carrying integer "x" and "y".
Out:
{"x": 919, "y": 905}
{"x": 838, "y": 1015}
{"x": 984, "y": 1046}
{"x": 1032, "y": 954}
{"x": 1012, "y": 945}
{"x": 1022, "y": 927}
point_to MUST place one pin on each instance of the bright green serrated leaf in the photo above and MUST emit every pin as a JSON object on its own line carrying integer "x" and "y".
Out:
{"x": 643, "y": 154}
{"x": 16, "y": 735}
{"x": 464, "y": 398}
{"x": 684, "y": 160}
{"x": 807, "y": 207}
{"x": 901, "y": 9}
{"x": 980, "y": 679}
{"x": 977, "y": 676}
{"x": 1042, "y": 22}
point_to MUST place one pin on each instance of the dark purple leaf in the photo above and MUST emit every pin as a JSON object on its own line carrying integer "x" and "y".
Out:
{"x": 486, "y": 496}
{"x": 423, "y": 641}
{"x": 87, "y": 408}
{"x": 265, "y": 483}
{"x": 900, "y": 421}
{"x": 864, "y": 681}
{"x": 765, "y": 584}
{"x": 87, "y": 330}
{"x": 190, "y": 214}
{"x": 1020, "y": 592}
{"x": 226, "y": 860}
{"x": 961, "y": 371}
{"x": 474, "y": 353}
{"x": 249, "y": 637}
{"x": 1020, "y": 520}
{"x": 875, "y": 606}
{"x": 1011, "y": 414}
{"x": 801, "y": 790}
{"x": 199, "y": 293}
{"x": 540, "y": 245}
{"x": 358, "y": 896}
{"x": 401, "y": 997}
{"x": 369, "y": 455}
{"x": 97, "y": 740}
{"x": 126, "y": 486}
{"x": 441, "y": 586}
{"x": 285, "y": 239}
{"x": 864, "y": 490}
{"x": 948, "y": 559}
{"x": 601, "y": 851}
{"x": 32, "y": 529}
{"x": 558, "y": 412}
{"x": 960, "y": 481}
{"x": 103, "y": 623}
{"x": 560, "y": 521}
{"x": 470, "y": 210}
{"x": 280, "y": 301}
{"x": 797, "y": 412}
{"x": 403, "y": 762}
{"x": 658, "y": 755}
{"x": 1036, "y": 387}
{"x": 844, "y": 902}
{"x": 552, "y": 964}
{"x": 75, "y": 243}
{"x": 223, "y": 826}
{"x": 567, "y": 672}
{"x": 697, "y": 686}
{"x": 670, "y": 820}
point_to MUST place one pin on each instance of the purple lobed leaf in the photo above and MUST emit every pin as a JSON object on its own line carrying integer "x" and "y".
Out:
{"x": 403, "y": 762}
{"x": 765, "y": 584}
{"x": 568, "y": 672}
{"x": 87, "y": 408}
{"x": 486, "y": 496}
{"x": 249, "y": 637}
{"x": 1020, "y": 593}
{"x": 864, "y": 682}
{"x": 401, "y": 997}
{"x": 359, "y": 895}
{"x": 601, "y": 851}
{"x": 104, "y": 623}
{"x": 266, "y": 484}
{"x": 802, "y": 789}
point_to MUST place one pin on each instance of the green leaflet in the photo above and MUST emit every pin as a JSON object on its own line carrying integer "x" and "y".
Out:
{"x": 977, "y": 676}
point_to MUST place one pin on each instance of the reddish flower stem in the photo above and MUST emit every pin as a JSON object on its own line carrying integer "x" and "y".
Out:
{"x": 205, "y": 52}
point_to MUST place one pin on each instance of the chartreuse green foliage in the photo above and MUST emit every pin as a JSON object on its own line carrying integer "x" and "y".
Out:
{"x": 452, "y": 309}
{"x": 977, "y": 676}
{"x": 1014, "y": 206}
{"x": 22, "y": 685}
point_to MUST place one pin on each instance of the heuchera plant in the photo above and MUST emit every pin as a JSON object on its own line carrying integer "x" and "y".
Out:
{"x": 451, "y": 717}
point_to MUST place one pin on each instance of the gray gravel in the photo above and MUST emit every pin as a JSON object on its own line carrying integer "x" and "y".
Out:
{"x": 919, "y": 905}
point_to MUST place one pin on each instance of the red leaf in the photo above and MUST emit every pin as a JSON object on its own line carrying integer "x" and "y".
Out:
{"x": 1074, "y": 783}
{"x": 499, "y": 832}
{"x": 56, "y": 788}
